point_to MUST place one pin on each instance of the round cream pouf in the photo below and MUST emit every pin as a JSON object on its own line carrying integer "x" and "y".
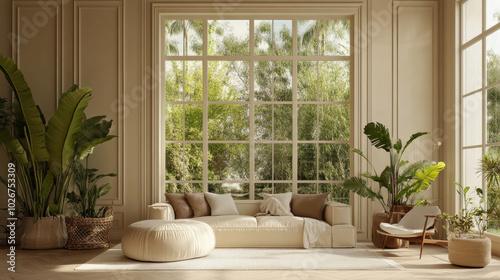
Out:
{"x": 167, "y": 241}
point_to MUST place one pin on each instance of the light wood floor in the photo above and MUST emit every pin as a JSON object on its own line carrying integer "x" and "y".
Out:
{"x": 60, "y": 265}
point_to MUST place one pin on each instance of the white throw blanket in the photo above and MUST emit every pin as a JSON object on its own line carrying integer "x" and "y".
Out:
{"x": 312, "y": 227}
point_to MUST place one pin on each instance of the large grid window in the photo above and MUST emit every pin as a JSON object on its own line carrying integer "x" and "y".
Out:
{"x": 480, "y": 93}
{"x": 257, "y": 106}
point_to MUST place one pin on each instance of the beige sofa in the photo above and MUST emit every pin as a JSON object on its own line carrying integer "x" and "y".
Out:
{"x": 246, "y": 230}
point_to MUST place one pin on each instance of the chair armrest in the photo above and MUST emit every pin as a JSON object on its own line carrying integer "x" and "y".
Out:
{"x": 336, "y": 213}
{"x": 161, "y": 211}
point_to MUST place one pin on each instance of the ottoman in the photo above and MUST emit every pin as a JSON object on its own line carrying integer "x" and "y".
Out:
{"x": 166, "y": 241}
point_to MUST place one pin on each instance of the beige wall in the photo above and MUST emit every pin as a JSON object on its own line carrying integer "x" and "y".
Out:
{"x": 102, "y": 44}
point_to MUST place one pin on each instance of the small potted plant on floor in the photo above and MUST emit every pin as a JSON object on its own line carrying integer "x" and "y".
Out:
{"x": 467, "y": 246}
{"x": 87, "y": 225}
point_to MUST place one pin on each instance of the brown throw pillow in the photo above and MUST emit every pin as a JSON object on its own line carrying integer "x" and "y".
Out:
{"x": 309, "y": 205}
{"x": 199, "y": 204}
{"x": 180, "y": 205}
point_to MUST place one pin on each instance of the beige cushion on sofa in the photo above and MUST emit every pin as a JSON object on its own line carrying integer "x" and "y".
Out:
{"x": 284, "y": 199}
{"x": 198, "y": 203}
{"x": 181, "y": 206}
{"x": 280, "y": 222}
{"x": 229, "y": 221}
{"x": 309, "y": 205}
{"x": 221, "y": 204}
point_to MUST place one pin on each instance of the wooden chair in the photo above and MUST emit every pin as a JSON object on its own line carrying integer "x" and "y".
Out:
{"x": 414, "y": 226}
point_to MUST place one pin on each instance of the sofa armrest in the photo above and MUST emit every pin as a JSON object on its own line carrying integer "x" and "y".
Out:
{"x": 161, "y": 211}
{"x": 337, "y": 213}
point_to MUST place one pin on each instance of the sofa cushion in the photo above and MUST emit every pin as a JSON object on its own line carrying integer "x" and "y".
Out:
{"x": 181, "y": 207}
{"x": 229, "y": 221}
{"x": 284, "y": 199}
{"x": 199, "y": 204}
{"x": 280, "y": 222}
{"x": 221, "y": 204}
{"x": 309, "y": 205}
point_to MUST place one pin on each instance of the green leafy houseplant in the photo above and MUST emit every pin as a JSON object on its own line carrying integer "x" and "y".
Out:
{"x": 88, "y": 189}
{"x": 490, "y": 169}
{"x": 44, "y": 153}
{"x": 397, "y": 186}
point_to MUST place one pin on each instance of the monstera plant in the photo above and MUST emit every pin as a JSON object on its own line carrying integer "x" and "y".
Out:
{"x": 44, "y": 153}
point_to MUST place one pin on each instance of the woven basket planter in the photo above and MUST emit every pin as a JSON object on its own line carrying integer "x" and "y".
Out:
{"x": 88, "y": 233}
{"x": 46, "y": 233}
{"x": 470, "y": 252}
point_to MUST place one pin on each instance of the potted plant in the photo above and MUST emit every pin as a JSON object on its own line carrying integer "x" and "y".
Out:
{"x": 467, "y": 246}
{"x": 399, "y": 182}
{"x": 87, "y": 226}
{"x": 44, "y": 156}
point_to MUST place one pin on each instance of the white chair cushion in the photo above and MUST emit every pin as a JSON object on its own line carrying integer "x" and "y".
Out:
{"x": 398, "y": 229}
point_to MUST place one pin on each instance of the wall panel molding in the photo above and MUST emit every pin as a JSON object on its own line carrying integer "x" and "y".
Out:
{"x": 99, "y": 63}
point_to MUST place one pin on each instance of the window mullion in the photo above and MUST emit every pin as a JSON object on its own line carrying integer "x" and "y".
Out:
{"x": 294, "y": 108}
{"x": 251, "y": 98}
{"x": 205, "y": 105}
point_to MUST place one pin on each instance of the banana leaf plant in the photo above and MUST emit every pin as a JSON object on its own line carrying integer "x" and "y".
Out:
{"x": 400, "y": 181}
{"x": 44, "y": 154}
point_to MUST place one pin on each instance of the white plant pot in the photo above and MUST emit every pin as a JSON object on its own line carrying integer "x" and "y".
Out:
{"x": 470, "y": 252}
{"x": 46, "y": 233}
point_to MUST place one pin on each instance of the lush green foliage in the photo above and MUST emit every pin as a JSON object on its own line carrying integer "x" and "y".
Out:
{"x": 44, "y": 154}
{"x": 229, "y": 81}
{"x": 396, "y": 186}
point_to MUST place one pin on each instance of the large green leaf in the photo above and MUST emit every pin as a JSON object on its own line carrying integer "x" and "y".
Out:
{"x": 27, "y": 107}
{"x": 413, "y": 138}
{"x": 48, "y": 184}
{"x": 64, "y": 127}
{"x": 378, "y": 135}
{"x": 86, "y": 148}
{"x": 428, "y": 174}
{"x": 13, "y": 146}
{"x": 360, "y": 187}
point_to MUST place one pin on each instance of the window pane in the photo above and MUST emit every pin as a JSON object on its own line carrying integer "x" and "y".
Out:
{"x": 263, "y": 162}
{"x": 334, "y": 82}
{"x": 193, "y": 87}
{"x": 493, "y": 117}
{"x": 492, "y": 13}
{"x": 193, "y": 188}
{"x": 471, "y": 19}
{"x": 282, "y": 80}
{"x": 283, "y": 122}
{"x": 174, "y": 162}
{"x": 471, "y": 70}
{"x": 228, "y": 122}
{"x": 263, "y": 37}
{"x": 307, "y": 37}
{"x": 309, "y": 188}
{"x": 307, "y": 129}
{"x": 334, "y": 37}
{"x": 263, "y": 83}
{"x": 263, "y": 122}
{"x": 336, "y": 192}
{"x": 307, "y": 81}
{"x": 228, "y": 80}
{"x": 283, "y": 37}
{"x": 174, "y": 115}
{"x": 493, "y": 58}
{"x": 228, "y": 37}
{"x": 471, "y": 164}
{"x": 174, "y": 80}
{"x": 334, "y": 122}
{"x": 174, "y": 188}
{"x": 282, "y": 161}
{"x": 194, "y": 121}
{"x": 193, "y": 162}
{"x": 334, "y": 161}
{"x": 238, "y": 191}
{"x": 262, "y": 188}
{"x": 493, "y": 192}
{"x": 472, "y": 119}
{"x": 282, "y": 188}
{"x": 183, "y": 37}
{"x": 228, "y": 161}
{"x": 307, "y": 162}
